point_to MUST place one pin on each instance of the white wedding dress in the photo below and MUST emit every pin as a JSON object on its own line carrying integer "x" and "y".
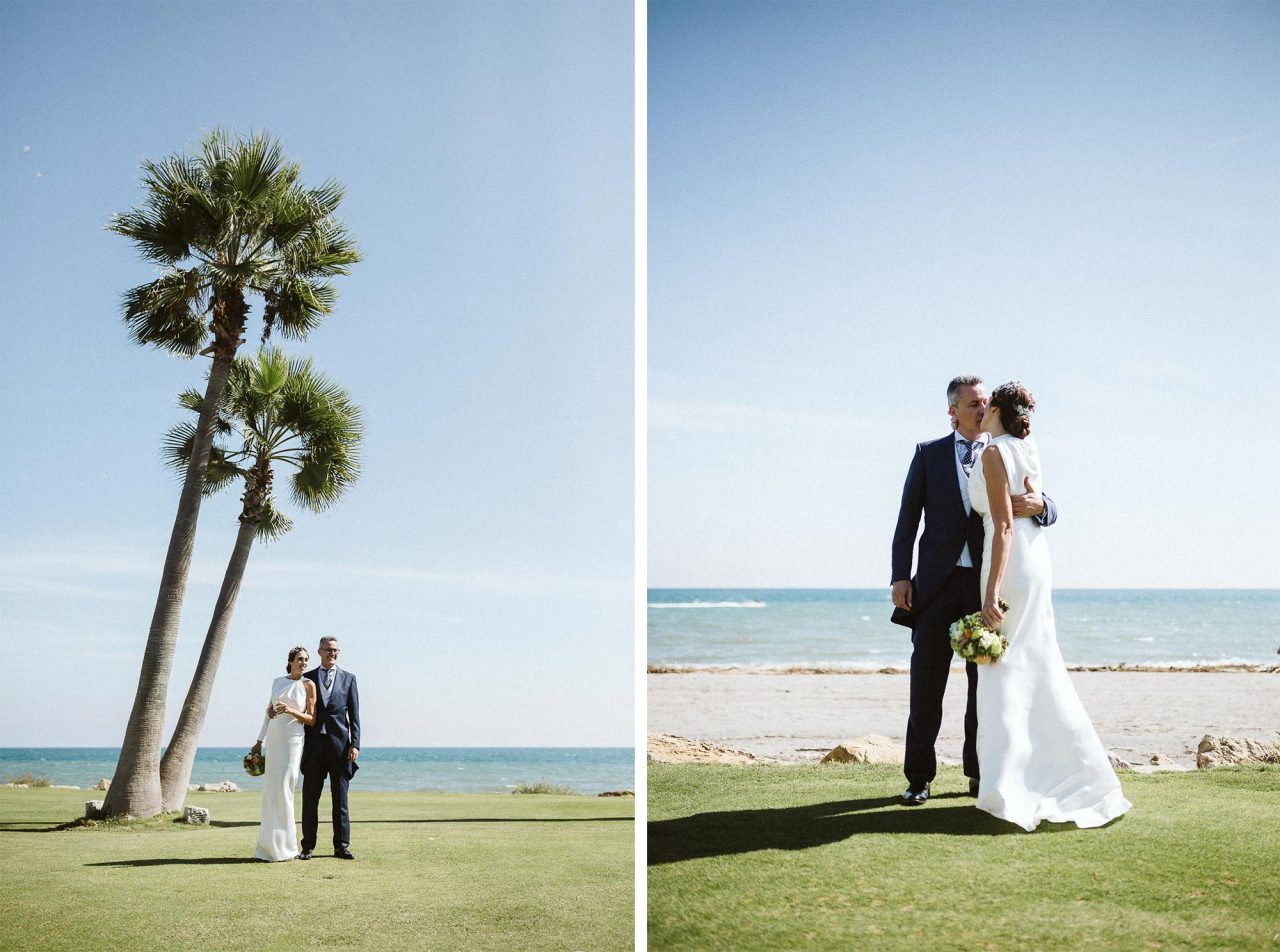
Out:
{"x": 1038, "y": 754}
{"x": 282, "y": 746}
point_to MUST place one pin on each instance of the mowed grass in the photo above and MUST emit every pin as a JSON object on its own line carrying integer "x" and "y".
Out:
{"x": 433, "y": 871}
{"x": 809, "y": 857}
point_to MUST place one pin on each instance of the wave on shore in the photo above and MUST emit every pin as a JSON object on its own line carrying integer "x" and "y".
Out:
{"x": 1230, "y": 665}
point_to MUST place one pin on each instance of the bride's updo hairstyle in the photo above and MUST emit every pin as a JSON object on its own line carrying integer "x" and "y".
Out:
{"x": 293, "y": 653}
{"x": 1015, "y": 403}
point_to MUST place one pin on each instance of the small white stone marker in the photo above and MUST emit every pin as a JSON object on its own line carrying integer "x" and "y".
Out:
{"x": 92, "y": 809}
{"x": 196, "y": 815}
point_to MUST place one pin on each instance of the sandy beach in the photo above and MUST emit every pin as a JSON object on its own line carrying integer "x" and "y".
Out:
{"x": 799, "y": 717}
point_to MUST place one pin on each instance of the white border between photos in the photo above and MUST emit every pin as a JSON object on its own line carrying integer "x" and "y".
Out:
{"x": 641, "y": 461}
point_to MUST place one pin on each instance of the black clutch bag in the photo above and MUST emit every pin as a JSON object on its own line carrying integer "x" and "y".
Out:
{"x": 902, "y": 616}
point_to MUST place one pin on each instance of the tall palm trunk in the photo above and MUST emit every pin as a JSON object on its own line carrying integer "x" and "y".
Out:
{"x": 180, "y": 755}
{"x": 135, "y": 787}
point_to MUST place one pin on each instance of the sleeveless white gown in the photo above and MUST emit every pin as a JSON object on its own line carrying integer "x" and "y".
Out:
{"x": 1038, "y": 754}
{"x": 282, "y": 745}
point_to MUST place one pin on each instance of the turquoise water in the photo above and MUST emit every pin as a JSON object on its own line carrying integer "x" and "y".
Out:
{"x": 851, "y": 627}
{"x": 455, "y": 769}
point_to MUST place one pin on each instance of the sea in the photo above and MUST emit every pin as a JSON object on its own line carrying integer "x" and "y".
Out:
{"x": 587, "y": 770}
{"x": 850, "y": 628}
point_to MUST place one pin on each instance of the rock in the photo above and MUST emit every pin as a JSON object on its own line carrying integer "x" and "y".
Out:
{"x": 1118, "y": 764}
{"x": 93, "y": 809}
{"x": 674, "y": 749}
{"x": 103, "y": 784}
{"x": 1215, "y": 751}
{"x": 63, "y": 786}
{"x": 617, "y": 793}
{"x": 225, "y": 786}
{"x": 196, "y": 815}
{"x": 869, "y": 749}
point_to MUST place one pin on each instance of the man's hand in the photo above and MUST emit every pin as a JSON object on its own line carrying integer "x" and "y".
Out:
{"x": 902, "y": 594}
{"x": 271, "y": 710}
{"x": 1029, "y": 503}
{"x": 353, "y": 754}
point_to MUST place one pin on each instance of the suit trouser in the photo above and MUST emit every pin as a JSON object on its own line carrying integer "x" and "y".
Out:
{"x": 312, "y": 787}
{"x": 931, "y": 657}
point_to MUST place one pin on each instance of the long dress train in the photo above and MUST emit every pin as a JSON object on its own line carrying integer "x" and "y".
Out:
{"x": 282, "y": 745}
{"x": 1038, "y": 754}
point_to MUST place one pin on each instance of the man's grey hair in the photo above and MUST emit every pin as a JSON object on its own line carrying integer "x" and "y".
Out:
{"x": 953, "y": 388}
{"x": 332, "y": 638}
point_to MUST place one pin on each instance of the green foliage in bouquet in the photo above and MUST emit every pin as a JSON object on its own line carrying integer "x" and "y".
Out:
{"x": 255, "y": 764}
{"x": 974, "y": 641}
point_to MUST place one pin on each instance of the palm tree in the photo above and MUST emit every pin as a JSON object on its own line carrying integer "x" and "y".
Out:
{"x": 226, "y": 223}
{"x": 278, "y": 412}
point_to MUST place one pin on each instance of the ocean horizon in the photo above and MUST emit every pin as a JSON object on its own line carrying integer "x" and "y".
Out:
{"x": 588, "y": 770}
{"x": 850, "y": 628}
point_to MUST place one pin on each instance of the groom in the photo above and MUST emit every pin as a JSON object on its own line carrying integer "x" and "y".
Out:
{"x": 330, "y": 748}
{"x": 946, "y": 584}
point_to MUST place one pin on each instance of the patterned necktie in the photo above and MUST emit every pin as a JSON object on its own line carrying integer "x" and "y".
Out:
{"x": 970, "y": 451}
{"x": 328, "y": 679}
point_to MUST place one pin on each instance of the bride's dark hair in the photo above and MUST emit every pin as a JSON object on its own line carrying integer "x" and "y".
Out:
{"x": 293, "y": 653}
{"x": 1015, "y": 403}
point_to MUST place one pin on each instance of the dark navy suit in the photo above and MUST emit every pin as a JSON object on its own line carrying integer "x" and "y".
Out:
{"x": 942, "y": 592}
{"x": 324, "y": 754}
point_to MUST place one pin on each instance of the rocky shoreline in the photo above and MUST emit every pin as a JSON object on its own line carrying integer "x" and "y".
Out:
{"x": 1145, "y": 718}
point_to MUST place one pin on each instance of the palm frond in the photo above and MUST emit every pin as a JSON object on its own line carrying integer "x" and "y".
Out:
{"x": 176, "y": 449}
{"x": 169, "y": 312}
{"x": 192, "y": 400}
{"x": 273, "y": 524}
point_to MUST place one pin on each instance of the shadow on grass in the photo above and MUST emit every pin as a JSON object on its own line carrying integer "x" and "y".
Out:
{"x": 796, "y": 828}
{"x": 170, "y": 861}
{"x": 20, "y": 826}
{"x": 512, "y": 819}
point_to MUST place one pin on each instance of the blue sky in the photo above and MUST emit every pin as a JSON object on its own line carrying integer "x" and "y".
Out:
{"x": 480, "y": 573}
{"x": 850, "y": 203}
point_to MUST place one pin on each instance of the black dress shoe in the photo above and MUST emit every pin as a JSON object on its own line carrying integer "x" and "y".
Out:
{"x": 305, "y": 854}
{"x": 973, "y": 787}
{"x": 343, "y": 853}
{"x": 916, "y": 794}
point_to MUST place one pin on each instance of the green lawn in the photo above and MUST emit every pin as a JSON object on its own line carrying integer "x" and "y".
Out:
{"x": 433, "y": 871}
{"x": 748, "y": 858}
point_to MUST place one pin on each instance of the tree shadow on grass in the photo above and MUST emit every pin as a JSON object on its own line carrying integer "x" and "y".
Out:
{"x": 796, "y": 828}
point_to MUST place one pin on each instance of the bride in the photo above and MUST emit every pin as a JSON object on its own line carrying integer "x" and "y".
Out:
{"x": 1039, "y": 756}
{"x": 295, "y": 696}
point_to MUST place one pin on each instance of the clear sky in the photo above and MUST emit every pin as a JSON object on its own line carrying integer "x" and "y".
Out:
{"x": 849, "y": 204}
{"x": 480, "y": 573}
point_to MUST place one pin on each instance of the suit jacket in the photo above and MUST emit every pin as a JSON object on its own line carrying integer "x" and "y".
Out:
{"x": 340, "y": 718}
{"x": 932, "y": 489}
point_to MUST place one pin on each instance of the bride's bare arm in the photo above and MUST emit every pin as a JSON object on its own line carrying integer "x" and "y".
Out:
{"x": 1002, "y": 515}
{"x": 308, "y": 715}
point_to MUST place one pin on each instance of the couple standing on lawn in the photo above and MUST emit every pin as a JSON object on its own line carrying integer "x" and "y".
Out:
{"x": 312, "y": 727}
{"x": 1030, "y": 750}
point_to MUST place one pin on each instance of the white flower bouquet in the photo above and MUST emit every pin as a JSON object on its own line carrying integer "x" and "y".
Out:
{"x": 255, "y": 764}
{"x": 974, "y": 641}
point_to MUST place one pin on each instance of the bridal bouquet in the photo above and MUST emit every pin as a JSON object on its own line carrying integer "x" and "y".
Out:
{"x": 975, "y": 642}
{"x": 255, "y": 764}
